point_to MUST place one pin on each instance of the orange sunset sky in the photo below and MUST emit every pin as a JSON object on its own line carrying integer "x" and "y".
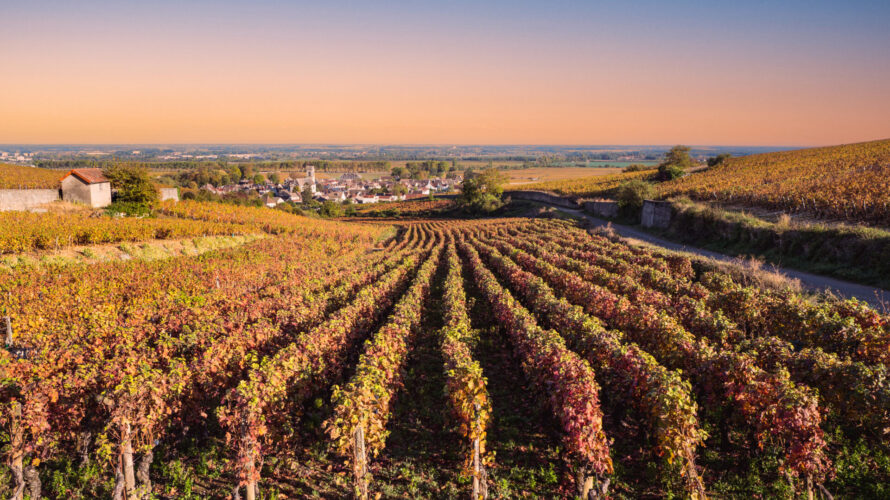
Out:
{"x": 803, "y": 73}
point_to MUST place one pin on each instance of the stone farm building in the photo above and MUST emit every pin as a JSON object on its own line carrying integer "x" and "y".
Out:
{"x": 88, "y": 186}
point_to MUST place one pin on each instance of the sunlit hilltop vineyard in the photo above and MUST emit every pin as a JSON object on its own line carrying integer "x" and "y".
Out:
{"x": 849, "y": 182}
{"x": 590, "y": 187}
{"x": 432, "y": 358}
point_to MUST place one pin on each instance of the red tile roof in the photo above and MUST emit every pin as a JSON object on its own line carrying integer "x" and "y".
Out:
{"x": 88, "y": 175}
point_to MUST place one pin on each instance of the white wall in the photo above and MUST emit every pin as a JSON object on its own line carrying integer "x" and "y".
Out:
{"x": 24, "y": 199}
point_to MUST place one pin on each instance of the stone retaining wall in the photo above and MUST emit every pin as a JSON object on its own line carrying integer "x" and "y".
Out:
{"x": 602, "y": 208}
{"x": 657, "y": 214}
{"x": 544, "y": 197}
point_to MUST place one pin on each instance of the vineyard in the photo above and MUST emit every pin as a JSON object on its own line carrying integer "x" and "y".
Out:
{"x": 412, "y": 208}
{"x": 449, "y": 359}
{"x": 20, "y": 177}
{"x": 602, "y": 186}
{"x": 25, "y": 232}
{"x": 849, "y": 182}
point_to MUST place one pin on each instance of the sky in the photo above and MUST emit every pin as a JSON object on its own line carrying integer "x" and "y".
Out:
{"x": 450, "y": 72}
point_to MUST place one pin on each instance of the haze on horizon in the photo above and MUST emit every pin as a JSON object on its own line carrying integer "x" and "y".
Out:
{"x": 562, "y": 72}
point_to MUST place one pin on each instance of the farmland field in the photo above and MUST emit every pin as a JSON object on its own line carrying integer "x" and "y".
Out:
{"x": 588, "y": 187}
{"x": 517, "y": 357}
{"x": 546, "y": 174}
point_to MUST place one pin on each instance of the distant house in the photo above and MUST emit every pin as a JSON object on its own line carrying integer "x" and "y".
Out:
{"x": 169, "y": 194}
{"x": 88, "y": 186}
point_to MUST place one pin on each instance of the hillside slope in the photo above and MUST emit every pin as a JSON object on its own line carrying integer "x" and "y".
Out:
{"x": 587, "y": 187}
{"x": 849, "y": 182}
{"x": 22, "y": 177}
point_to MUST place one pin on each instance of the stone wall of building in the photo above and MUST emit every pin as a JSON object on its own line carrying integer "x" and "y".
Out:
{"x": 93, "y": 195}
{"x": 169, "y": 194}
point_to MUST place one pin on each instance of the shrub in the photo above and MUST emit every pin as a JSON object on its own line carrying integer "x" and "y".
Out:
{"x": 638, "y": 167}
{"x": 670, "y": 172}
{"x": 631, "y": 194}
{"x": 719, "y": 159}
{"x": 129, "y": 208}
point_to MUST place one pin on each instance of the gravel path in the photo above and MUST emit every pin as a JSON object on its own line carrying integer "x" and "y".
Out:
{"x": 877, "y": 297}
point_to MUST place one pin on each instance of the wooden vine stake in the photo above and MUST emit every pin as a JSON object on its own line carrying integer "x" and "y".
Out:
{"x": 251, "y": 483}
{"x": 360, "y": 464}
{"x": 480, "y": 487}
{"x": 9, "y": 339}
{"x": 17, "y": 442}
{"x": 589, "y": 487}
{"x": 127, "y": 456}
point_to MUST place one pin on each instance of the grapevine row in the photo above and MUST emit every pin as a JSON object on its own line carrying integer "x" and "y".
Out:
{"x": 566, "y": 380}
{"x": 465, "y": 383}
{"x": 659, "y": 394}
{"x": 863, "y": 386}
{"x": 361, "y": 408}
{"x": 316, "y": 356}
{"x": 780, "y": 413}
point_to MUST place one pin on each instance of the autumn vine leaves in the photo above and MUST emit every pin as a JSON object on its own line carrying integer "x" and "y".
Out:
{"x": 247, "y": 337}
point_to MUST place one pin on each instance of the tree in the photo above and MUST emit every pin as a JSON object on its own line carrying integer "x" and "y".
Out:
{"x": 259, "y": 178}
{"x": 675, "y": 163}
{"x": 246, "y": 171}
{"x": 397, "y": 172}
{"x": 306, "y": 194}
{"x": 398, "y": 189}
{"x": 349, "y": 208}
{"x": 132, "y": 184}
{"x": 493, "y": 181}
{"x": 275, "y": 177}
{"x": 331, "y": 208}
{"x": 234, "y": 173}
{"x": 481, "y": 193}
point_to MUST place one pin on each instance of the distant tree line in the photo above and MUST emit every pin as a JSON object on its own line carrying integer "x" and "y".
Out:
{"x": 346, "y": 165}
{"x": 320, "y": 165}
{"x": 67, "y": 164}
{"x": 420, "y": 170}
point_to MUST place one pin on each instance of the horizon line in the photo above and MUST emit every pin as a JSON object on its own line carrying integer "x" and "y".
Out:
{"x": 420, "y": 144}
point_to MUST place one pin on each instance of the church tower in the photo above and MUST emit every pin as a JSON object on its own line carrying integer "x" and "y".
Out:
{"x": 310, "y": 176}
